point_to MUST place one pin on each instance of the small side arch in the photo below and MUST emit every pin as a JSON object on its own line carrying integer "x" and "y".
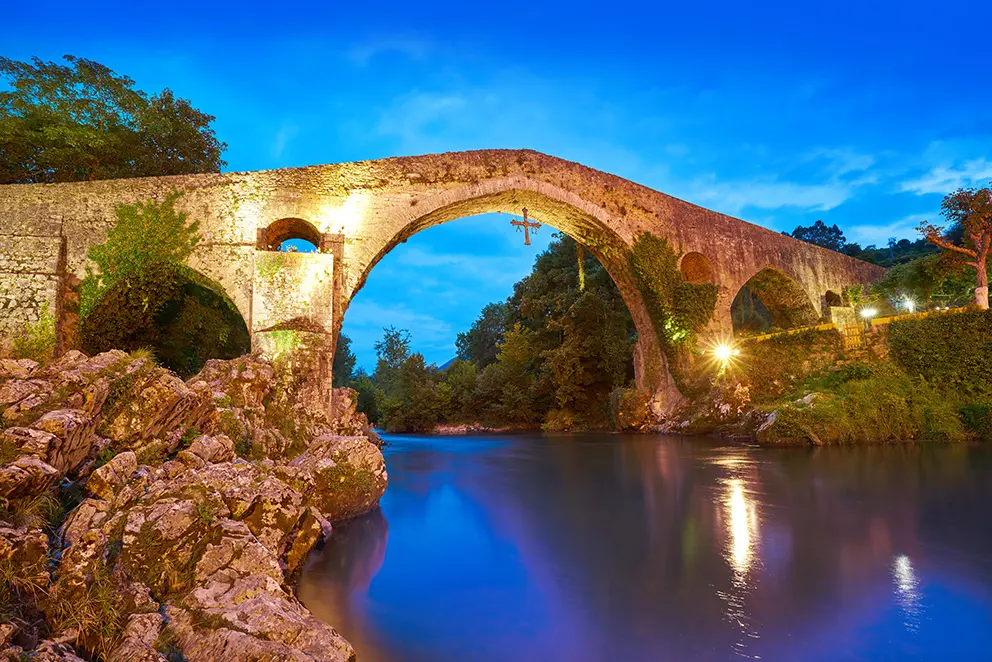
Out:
{"x": 270, "y": 238}
{"x": 831, "y": 298}
{"x": 771, "y": 299}
{"x": 696, "y": 268}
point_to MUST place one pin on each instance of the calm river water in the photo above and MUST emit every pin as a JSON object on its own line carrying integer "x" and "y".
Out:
{"x": 629, "y": 548}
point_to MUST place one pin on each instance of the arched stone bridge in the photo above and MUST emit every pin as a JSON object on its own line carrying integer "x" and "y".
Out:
{"x": 356, "y": 212}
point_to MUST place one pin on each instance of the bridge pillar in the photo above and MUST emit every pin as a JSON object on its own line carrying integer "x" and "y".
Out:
{"x": 292, "y": 317}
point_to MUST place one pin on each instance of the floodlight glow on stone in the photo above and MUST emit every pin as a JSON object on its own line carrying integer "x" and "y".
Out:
{"x": 868, "y": 313}
{"x": 724, "y": 352}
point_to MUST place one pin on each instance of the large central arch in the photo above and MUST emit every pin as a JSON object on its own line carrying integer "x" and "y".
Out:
{"x": 554, "y": 208}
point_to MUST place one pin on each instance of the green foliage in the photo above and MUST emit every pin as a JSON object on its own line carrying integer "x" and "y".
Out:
{"x": 479, "y": 343}
{"x": 887, "y": 405}
{"x": 343, "y": 369}
{"x": 62, "y": 123}
{"x": 37, "y": 342}
{"x": 143, "y": 252}
{"x": 977, "y": 419}
{"x": 678, "y": 309}
{"x": 941, "y": 277}
{"x": 367, "y": 396}
{"x": 143, "y": 295}
{"x": 780, "y": 365}
{"x": 953, "y": 350}
{"x": 820, "y": 234}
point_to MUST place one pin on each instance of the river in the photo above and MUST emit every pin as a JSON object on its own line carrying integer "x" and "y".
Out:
{"x": 649, "y": 548}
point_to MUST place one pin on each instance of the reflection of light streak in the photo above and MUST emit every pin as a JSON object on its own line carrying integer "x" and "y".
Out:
{"x": 907, "y": 590}
{"x": 743, "y": 528}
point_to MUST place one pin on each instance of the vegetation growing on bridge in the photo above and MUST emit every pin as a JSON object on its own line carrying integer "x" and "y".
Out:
{"x": 143, "y": 294}
{"x": 678, "y": 309}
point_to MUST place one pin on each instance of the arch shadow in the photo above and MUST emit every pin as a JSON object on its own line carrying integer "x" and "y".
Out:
{"x": 771, "y": 299}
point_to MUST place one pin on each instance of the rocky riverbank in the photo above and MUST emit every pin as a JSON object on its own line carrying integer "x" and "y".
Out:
{"x": 147, "y": 518}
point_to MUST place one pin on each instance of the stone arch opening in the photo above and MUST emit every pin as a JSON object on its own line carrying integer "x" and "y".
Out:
{"x": 831, "y": 298}
{"x": 771, "y": 300}
{"x": 294, "y": 234}
{"x": 593, "y": 233}
{"x": 193, "y": 321}
{"x": 696, "y": 268}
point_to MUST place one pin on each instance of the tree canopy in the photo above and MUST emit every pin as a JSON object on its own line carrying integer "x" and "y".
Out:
{"x": 821, "y": 234}
{"x": 81, "y": 121}
{"x": 971, "y": 211}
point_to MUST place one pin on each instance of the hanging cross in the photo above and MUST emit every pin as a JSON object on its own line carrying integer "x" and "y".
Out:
{"x": 526, "y": 225}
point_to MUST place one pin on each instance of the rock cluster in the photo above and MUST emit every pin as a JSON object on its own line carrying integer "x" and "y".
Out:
{"x": 147, "y": 518}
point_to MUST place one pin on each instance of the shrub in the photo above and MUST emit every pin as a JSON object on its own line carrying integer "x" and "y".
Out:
{"x": 977, "y": 419}
{"x": 953, "y": 351}
{"x": 37, "y": 342}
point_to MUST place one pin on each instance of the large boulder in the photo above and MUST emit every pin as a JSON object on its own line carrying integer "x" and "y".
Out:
{"x": 341, "y": 476}
{"x": 105, "y": 481}
{"x": 74, "y": 430}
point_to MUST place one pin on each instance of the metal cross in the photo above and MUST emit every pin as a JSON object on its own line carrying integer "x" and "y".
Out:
{"x": 526, "y": 225}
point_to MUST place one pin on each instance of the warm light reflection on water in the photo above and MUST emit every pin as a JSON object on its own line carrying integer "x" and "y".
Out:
{"x": 743, "y": 528}
{"x": 741, "y": 550}
{"x": 907, "y": 590}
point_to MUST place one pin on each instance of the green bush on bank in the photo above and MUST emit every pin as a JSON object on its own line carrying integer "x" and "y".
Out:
{"x": 953, "y": 351}
{"x": 934, "y": 383}
{"x": 872, "y": 404}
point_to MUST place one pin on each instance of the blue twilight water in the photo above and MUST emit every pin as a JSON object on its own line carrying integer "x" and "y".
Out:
{"x": 610, "y": 547}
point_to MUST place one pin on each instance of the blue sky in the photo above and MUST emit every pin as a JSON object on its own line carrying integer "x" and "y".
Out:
{"x": 858, "y": 113}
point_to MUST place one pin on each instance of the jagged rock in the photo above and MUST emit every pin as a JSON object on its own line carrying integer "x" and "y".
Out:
{"x": 26, "y": 549}
{"x": 105, "y": 481}
{"x": 17, "y": 368}
{"x": 213, "y": 449}
{"x": 161, "y": 407}
{"x": 74, "y": 430}
{"x": 346, "y": 420}
{"x": 50, "y": 651}
{"x": 26, "y": 476}
{"x": 343, "y": 476}
{"x": 207, "y": 538}
{"x": 29, "y": 441}
{"x": 138, "y": 640}
{"x": 89, "y": 514}
{"x": 241, "y": 383}
{"x": 16, "y": 390}
{"x": 259, "y": 617}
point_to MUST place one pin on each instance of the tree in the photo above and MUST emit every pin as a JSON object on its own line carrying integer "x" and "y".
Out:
{"x": 971, "y": 209}
{"x": 62, "y": 123}
{"x": 821, "y": 234}
{"x": 343, "y": 368}
{"x": 478, "y": 344}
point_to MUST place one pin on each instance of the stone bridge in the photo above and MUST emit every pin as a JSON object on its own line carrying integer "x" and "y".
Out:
{"x": 355, "y": 213}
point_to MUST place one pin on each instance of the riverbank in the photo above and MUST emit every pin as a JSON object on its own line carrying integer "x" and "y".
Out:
{"x": 147, "y": 518}
{"x": 924, "y": 379}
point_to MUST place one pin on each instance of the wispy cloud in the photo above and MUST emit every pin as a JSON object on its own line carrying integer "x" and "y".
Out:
{"x": 903, "y": 228}
{"x": 946, "y": 178}
{"x": 733, "y": 197}
{"x": 364, "y": 52}
{"x": 283, "y": 136}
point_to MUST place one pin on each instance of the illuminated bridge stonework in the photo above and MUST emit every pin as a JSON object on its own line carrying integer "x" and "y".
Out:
{"x": 356, "y": 212}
